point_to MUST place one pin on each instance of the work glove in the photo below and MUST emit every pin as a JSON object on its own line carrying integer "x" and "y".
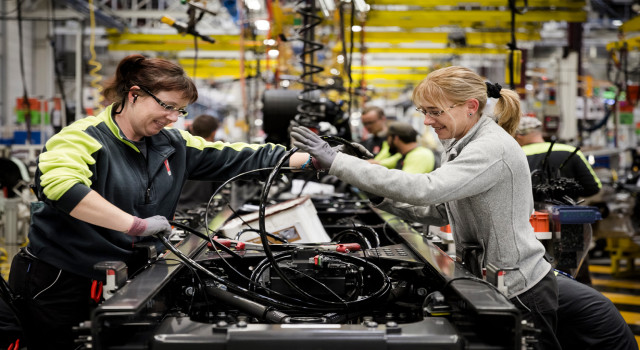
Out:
{"x": 311, "y": 143}
{"x": 373, "y": 198}
{"x": 149, "y": 226}
{"x": 358, "y": 150}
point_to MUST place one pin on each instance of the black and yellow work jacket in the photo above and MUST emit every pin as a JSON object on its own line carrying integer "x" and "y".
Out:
{"x": 577, "y": 167}
{"x": 92, "y": 154}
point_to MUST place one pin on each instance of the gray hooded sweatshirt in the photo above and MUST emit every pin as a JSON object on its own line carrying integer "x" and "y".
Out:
{"x": 482, "y": 189}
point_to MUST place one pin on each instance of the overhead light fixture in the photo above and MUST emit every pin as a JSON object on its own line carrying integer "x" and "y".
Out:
{"x": 262, "y": 24}
{"x": 327, "y": 7}
{"x": 253, "y": 5}
{"x": 273, "y": 53}
{"x": 616, "y": 22}
{"x": 361, "y": 5}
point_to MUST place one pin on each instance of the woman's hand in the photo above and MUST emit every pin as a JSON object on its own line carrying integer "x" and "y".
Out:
{"x": 308, "y": 141}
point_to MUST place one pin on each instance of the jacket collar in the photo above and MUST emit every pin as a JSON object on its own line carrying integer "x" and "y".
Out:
{"x": 160, "y": 142}
{"x": 453, "y": 146}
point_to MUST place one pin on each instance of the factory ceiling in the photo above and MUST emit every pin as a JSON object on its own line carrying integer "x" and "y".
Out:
{"x": 398, "y": 38}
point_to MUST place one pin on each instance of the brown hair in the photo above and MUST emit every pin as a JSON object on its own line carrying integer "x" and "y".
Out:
{"x": 457, "y": 84}
{"x": 155, "y": 74}
{"x": 203, "y": 125}
{"x": 379, "y": 111}
{"x": 404, "y": 131}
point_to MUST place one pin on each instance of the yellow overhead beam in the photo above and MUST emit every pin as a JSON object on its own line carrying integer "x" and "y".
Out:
{"x": 392, "y": 77}
{"x": 227, "y": 73}
{"x": 403, "y": 37}
{"x": 632, "y": 25}
{"x": 573, "y": 4}
{"x": 220, "y": 63}
{"x": 174, "y": 42}
{"x": 473, "y": 38}
{"x": 393, "y": 69}
{"x": 469, "y": 18}
{"x": 631, "y": 44}
{"x": 168, "y": 46}
{"x": 113, "y": 35}
{"x": 386, "y": 85}
{"x": 205, "y": 72}
{"x": 499, "y": 38}
{"x": 440, "y": 51}
{"x": 174, "y": 46}
{"x": 398, "y": 50}
{"x": 231, "y": 68}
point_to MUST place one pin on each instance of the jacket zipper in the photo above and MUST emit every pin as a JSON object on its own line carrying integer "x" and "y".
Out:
{"x": 147, "y": 193}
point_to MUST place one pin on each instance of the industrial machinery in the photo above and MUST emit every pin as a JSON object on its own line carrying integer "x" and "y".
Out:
{"x": 563, "y": 226}
{"x": 378, "y": 283}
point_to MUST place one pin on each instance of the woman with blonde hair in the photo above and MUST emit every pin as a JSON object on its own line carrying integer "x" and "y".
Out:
{"x": 482, "y": 189}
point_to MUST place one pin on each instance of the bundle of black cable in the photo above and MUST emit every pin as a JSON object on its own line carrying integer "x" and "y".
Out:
{"x": 562, "y": 189}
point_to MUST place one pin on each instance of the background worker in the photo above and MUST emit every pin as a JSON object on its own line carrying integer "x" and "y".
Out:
{"x": 195, "y": 193}
{"x": 110, "y": 181}
{"x": 406, "y": 154}
{"x": 529, "y": 136}
{"x": 375, "y": 122}
{"x": 586, "y": 318}
{"x": 482, "y": 189}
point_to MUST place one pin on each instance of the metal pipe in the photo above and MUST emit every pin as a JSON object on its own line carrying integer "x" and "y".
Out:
{"x": 78, "y": 94}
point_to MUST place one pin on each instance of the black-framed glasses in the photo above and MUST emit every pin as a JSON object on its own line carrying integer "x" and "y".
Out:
{"x": 183, "y": 111}
{"x": 434, "y": 113}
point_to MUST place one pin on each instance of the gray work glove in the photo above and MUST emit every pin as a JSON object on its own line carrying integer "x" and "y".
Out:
{"x": 149, "y": 226}
{"x": 311, "y": 143}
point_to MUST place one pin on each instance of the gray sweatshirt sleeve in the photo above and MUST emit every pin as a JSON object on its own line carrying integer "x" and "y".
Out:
{"x": 475, "y": 170}
{"x": 430, "y": 215}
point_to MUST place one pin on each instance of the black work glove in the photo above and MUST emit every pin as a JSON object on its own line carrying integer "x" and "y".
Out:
{"x": 149, "y": 226}
{"x": 373, "y": 198}
{"x": 358, "y": 150}
{"x": 311, "y": 143}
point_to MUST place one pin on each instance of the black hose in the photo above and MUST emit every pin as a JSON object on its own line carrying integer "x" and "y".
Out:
{"x": 569, "y": 157}
{"x": 206, "y": 213}
{"x": 276, "y": 237}
{"x": 546, "y": 165}
{"x": 263, "y": 230}
{"x": 232, "y": 286}
{"x": 249, "y": 306}
{"x": 271, "y": 259}
{"x": 215, "y": 243}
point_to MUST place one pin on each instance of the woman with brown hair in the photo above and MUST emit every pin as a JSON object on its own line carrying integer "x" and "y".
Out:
{"x": 111, "y": 181}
